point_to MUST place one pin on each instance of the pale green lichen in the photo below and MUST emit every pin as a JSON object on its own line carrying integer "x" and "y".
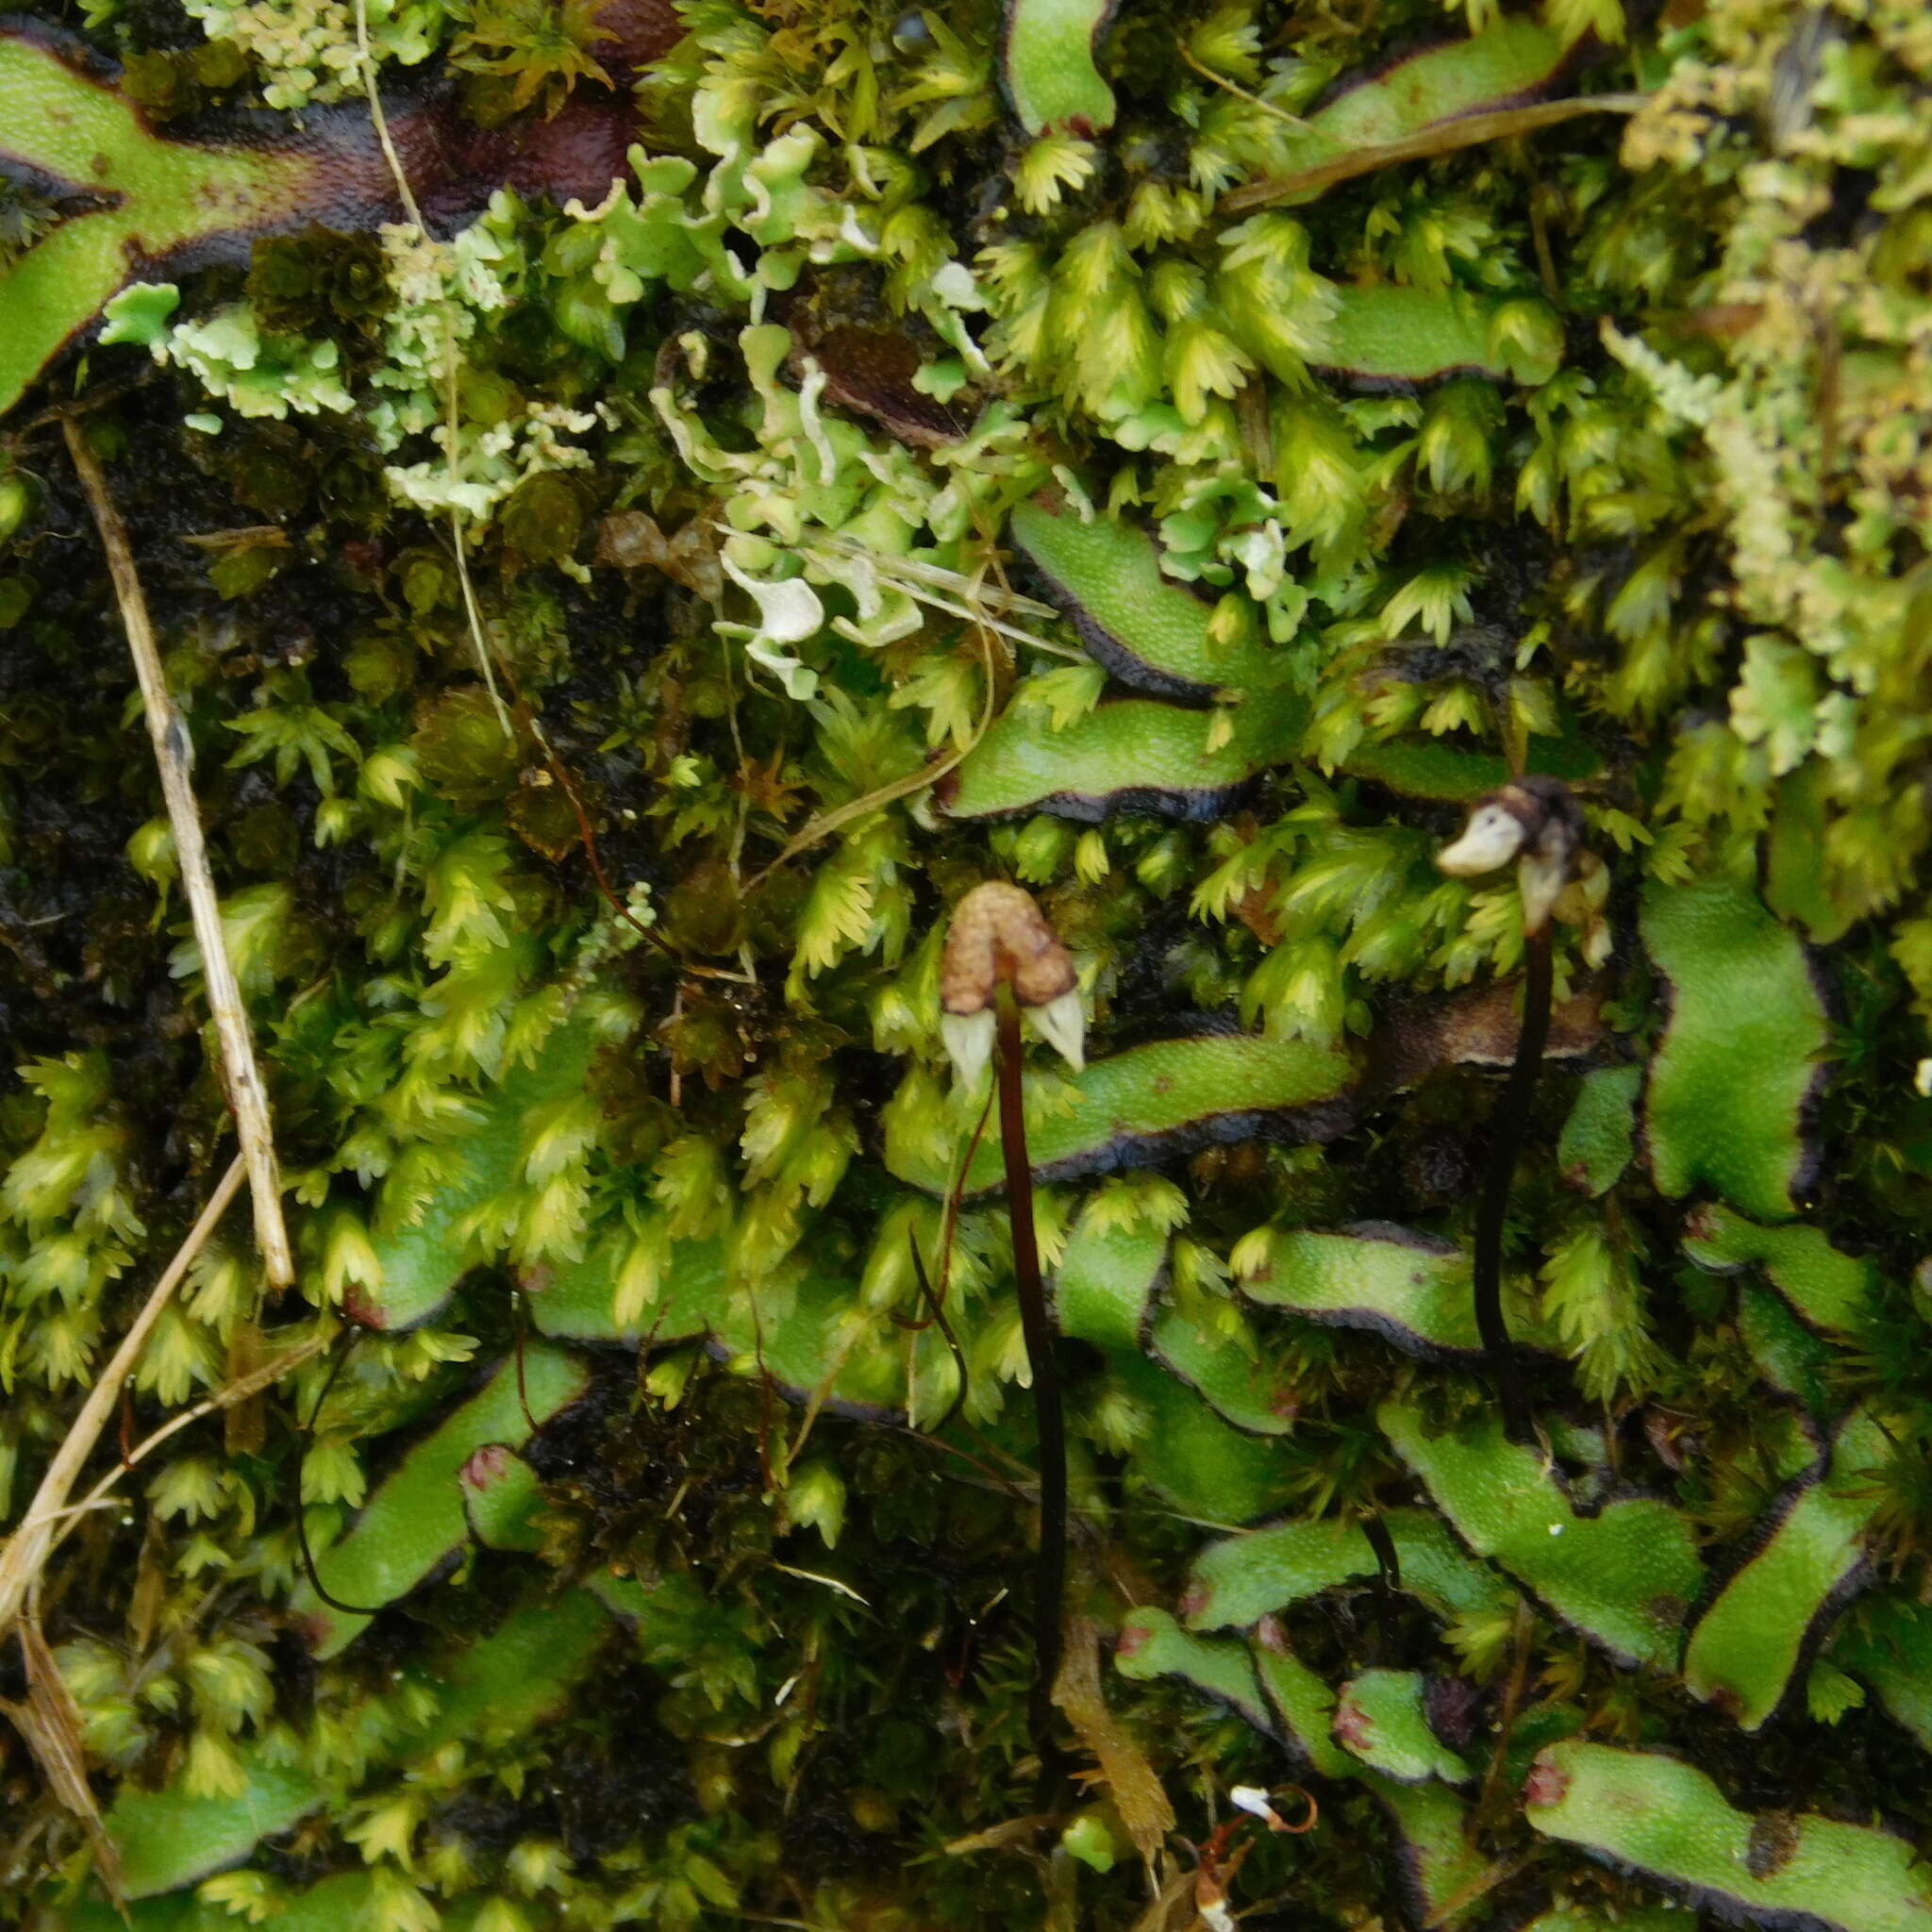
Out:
{"x": 228, "y": 354}
{"x": 305, "y": 51}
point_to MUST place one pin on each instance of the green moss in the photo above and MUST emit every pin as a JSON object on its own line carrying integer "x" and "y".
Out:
{"x": 539, "y": 48}
{"x": 870, "y": 497}
{"x": 319, "y": 283}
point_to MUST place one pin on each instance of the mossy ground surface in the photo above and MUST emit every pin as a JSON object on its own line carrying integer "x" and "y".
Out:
{"x": 1628, "y": 481}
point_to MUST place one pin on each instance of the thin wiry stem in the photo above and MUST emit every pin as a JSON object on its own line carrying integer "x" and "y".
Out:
{"x": 1508, "y": 1132}
{"x": 174, "y": 755}
{"x": 938, "y": 1315}
{"x": 949, "y": 1220}
{"x": 1241, "y": 93}
{"x": 304, "y": 1437}
{"x": 235, "y": 1392}
{"x": 586, "y": 831}
{"x": 1388, "y": 1559}
{"x": 365, "y": 60}
{"x": 827, "y": 823}
{"x": 1512, "y": 1703}
{"x": 1050, "y": 1566}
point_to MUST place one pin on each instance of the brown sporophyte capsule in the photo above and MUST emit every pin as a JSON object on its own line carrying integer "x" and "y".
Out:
{"x": 1534, "y": 821}
{"x": 999, "y": 936}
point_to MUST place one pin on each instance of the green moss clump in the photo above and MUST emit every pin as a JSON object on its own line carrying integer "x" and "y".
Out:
{"x": 536, "y": 50}
{"x": 319, "y": 282}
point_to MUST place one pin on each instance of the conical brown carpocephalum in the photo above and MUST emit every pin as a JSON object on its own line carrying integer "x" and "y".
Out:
{"x": 999, "y": 936}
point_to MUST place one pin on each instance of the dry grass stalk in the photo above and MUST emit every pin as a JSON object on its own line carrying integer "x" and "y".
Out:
{"x": 51, "y": 1726}
{"x": 926, "y": 776}
{"x": 1137, "y": 1792}
{"x": 1445, "y": 136}
{"x": 27, "y": 1548}
{"x": 49, "y": 1722}
{"x": 247, "y": 1096}
{"x": 235, "y": 1392}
